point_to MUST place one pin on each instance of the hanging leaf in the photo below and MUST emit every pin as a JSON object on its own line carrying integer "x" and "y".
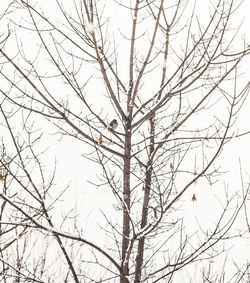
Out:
{"x": 143, "y": 187}
{"x": 1, "y": 174}
{"x": 194, "y": 197}
{"x": 171, "y": 167}
{"x": 100, "y": 140}
{"x": 138, "y": 148}
{"x": 155, "y": 212}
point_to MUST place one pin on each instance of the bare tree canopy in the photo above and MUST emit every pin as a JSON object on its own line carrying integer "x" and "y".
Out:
{"x": 130, "y": 102}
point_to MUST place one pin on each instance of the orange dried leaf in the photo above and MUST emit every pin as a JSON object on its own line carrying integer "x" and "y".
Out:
{"x": 100, "y": 140}
{"x": 194, "y": 197}
{"x": 171, "y": 167}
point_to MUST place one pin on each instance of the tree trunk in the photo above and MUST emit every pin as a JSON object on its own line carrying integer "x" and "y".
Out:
{"x": 126, "y": 199}
{"x": 144, "y": 218}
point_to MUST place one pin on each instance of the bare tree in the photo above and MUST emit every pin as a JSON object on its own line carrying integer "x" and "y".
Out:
{"x": 149, "y": 90}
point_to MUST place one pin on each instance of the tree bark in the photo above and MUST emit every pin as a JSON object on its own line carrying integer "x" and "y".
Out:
{"x": 126, "y": 199}
{"x": 144, "y": 218}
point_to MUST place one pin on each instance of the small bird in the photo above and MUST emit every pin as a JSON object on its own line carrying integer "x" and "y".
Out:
{"x": 113, "y": 125}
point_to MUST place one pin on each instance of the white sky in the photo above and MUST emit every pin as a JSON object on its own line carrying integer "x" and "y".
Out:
{"x": 89, "y": 200}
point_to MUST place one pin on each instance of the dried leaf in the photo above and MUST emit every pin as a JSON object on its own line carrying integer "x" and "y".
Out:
{"x": 1, "y": 174}
{"x": 138, "y": 148}
{"x": 155, "y": 212}
{"x": 100, "y": 140}
{"x": 143, "y": 187}
{"x": 171, "y": 167}
{"x": 194, "y": 197}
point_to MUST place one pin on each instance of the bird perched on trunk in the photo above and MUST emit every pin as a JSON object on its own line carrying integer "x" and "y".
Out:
{"x": 113, "y": 125}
